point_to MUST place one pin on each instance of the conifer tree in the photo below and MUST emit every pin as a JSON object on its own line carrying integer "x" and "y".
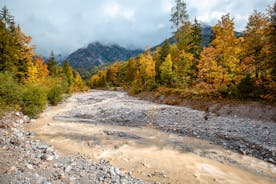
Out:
{"x": 52, "y": 64}
{"x": 163, "y": 52}
{"x": 196, "y": 35}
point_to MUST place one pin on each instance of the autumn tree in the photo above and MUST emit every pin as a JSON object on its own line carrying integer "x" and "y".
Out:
{"x": 131, "y": 69}
{"x": 112, "y": 73}
{"x": 272, "y": 37}
{"x": 147, "y": 70}
{"x": 79, "y": 84}
{"x": 255, "y": 42}
{"x": 227, "y": 48}
{"x": 15, "y": 51}
{"x": 37, "y": 71}
{"x": 98, "y": 80}
{"x": 211, "y": 73}
{"x": 167, "y": 76}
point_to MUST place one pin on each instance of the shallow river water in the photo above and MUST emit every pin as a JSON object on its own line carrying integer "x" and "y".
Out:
{"x": 143, "y": 151}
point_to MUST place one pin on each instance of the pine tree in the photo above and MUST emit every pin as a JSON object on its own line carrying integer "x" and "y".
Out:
{"x": 196, "y": 35}
{"x": 162, "y": 54}
{"x": 52, "y": 64}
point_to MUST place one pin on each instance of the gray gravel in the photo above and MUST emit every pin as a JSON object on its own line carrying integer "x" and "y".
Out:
{"x": 246, "y": 136}
{"x": 24, "y": 160}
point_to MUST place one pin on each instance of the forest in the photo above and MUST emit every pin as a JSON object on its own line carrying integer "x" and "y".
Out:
{"x": 27, "y": 83}
{"x": 235, "y": 67}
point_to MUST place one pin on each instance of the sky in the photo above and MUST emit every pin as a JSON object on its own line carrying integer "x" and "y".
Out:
{"x": 66, "y": 25}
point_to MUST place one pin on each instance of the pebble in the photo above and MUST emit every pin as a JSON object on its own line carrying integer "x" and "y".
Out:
{"x": 49, "y": 157}
{"x": 29, "y": 166}
{"x": 117, "y": 171}
{"x": 26, "y": 119}
{"x": 68, "y": 168}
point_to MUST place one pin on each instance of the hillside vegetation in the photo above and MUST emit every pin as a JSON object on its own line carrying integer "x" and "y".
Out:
{"x": 26, "y": 82}
{"x": 230, "y": 67}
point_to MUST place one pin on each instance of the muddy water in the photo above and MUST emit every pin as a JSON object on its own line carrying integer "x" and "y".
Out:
{"x": 150, "y": 154}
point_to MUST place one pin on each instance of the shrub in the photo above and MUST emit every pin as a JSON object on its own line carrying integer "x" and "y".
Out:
{"x": 55, "y": 95}
{"x": 10, "y": 90}
{"x": 246, "y": 87}
{"x": 135, "y": 87}
{"x": 151, "y": 85}
{"x": 34, "y": 100}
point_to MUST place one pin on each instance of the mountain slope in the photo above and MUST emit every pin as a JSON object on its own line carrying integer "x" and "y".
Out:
{"x": 207, "y": 35}
{"x": 96, "y": 54}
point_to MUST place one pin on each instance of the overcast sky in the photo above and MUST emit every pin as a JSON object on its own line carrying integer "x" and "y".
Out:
{"x": 66, "y": 25}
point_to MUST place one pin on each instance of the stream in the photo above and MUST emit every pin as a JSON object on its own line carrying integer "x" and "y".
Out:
{"x": 124, "y": 130}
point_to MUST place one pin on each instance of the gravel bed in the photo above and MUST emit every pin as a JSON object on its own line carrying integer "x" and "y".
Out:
{"x": 246, "y": 136}
{"x": 24, "y": 160}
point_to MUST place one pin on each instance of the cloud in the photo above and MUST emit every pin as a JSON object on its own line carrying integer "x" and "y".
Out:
{"x": 66, "y": 25}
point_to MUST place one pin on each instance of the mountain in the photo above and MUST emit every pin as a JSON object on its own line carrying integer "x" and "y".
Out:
{"x": 96, "y": 54}
{"x": 207, "y": 35}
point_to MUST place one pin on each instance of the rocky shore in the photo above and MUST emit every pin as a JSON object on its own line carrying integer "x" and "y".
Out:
{"x": 25, "y": 160}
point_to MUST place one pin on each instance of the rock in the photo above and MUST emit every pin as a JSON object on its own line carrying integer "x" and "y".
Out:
{"x": 30, "y": 133}
{"x": 17, "y": 113}
{"x": 42, "y": 146}
{"x": 29, "y": 166}
{"x": 49, "y": 157}
{"x": 47, "y": 182}
{"x": 43, "y": 157}
{"x": 12, "y": 170}
{"x": 68, "y": 168}
{"x": 46, "y": 157}
{"x": 19, "y": 121}
{"x": 117, "y": 171}
{"x": 49, "y": 150}
{"x": 271, "y": 160}
{"x": 26, "y": 119}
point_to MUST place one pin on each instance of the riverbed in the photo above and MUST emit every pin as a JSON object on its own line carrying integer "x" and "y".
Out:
{"x": 159, "y": 143}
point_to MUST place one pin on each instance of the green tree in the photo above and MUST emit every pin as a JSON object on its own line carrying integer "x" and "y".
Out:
{"x": 166, "y": 71}
{"x": 52, "y": 64}
{"x": 68, "y": 71}
{"x": 196, "y": 43}
{"x": 162, "y": 54}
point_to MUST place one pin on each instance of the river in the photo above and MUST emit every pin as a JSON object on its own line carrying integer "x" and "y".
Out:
{"x": 113, "y": 126}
